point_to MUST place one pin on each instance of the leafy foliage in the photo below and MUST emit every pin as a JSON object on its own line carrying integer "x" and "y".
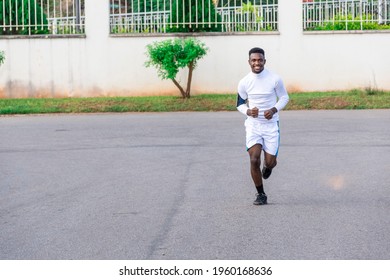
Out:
{"x": 27, "y": 14}
{"x": 194, "y": 16}
{"x": 237, "y": 3}
{"x": 169, "y": 56}
{"x": 2, "y": 57}
{"x": 150, "y": 6}
{"x": 348, "y": 22}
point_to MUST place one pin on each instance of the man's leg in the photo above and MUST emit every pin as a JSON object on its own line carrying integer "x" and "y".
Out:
{"x": 255, "y": 160}
{"x": 269, "y": 163}
{"x": 271, "y": 145}
{"x": 254, "y": 155}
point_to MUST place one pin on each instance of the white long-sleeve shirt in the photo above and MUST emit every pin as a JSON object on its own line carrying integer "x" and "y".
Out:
{"x": 264, "y": 91}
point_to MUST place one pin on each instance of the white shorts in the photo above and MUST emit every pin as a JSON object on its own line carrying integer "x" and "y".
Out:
{"x": 265, "y": 134}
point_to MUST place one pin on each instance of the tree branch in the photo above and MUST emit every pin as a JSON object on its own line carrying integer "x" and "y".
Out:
{"x": 183, "y": 93}
{"x": 189, "y": 79}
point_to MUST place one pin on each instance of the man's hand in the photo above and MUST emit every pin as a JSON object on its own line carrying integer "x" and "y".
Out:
{"x": 269, "y": 113}
{"x": 254, "y": 112}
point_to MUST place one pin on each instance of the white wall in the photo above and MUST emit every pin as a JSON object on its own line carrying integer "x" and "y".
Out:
{"x": 104, "y": 65}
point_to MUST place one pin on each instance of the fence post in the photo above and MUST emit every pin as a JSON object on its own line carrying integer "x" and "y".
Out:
{"x": 291, "y": 40}
{"x": 77, "y": 7}
{"x": 380, "y": 11}
{"x": 97, "y": 17}
{"x": 97, "y": 45}
{"x": 290, "y": 17}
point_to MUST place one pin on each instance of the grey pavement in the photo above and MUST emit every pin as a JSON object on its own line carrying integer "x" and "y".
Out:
{"x": 177, "y": 186}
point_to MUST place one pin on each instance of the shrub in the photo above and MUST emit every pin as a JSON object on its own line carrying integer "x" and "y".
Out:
{"x": 28, "y": 14}
{"x": 169, "y": 56}
{"x": 194, "y": 16}
{"x": 347, "y": 22}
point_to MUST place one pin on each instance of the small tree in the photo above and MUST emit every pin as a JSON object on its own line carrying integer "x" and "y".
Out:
{"x": 169, "y": 56}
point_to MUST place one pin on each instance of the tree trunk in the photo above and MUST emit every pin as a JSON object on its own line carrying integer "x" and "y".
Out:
{"x": 186, "y": 93}
{"x": 189, "y": 80}
{"x": 183, "y": 93}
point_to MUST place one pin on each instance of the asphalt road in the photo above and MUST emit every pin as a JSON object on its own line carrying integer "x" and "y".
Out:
{"x": 177, "y": 186}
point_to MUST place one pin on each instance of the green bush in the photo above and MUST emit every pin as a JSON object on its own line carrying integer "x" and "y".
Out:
{"x": 347, "y": 22}
{"x": 169, "y": 56}
{"x": 194, "y": 16}
{"x": 2, "y": 57}
{"x": 28, "y": 14}
{"x": 149, "y": 6}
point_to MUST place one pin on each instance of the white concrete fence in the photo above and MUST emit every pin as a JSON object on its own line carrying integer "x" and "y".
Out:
{"x": 103, "y": 64}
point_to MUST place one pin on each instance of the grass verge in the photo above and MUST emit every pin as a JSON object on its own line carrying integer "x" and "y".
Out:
{"x": 354, "y": 99}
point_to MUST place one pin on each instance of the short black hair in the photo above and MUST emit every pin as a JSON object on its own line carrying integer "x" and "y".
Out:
{"x": 256, "y": 50}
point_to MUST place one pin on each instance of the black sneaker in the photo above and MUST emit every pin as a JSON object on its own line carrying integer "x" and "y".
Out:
{"x": 261, "y": 199}
{"x": 266, "y": 172}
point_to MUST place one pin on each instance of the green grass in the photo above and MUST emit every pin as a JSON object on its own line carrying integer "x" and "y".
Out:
{"x": 355, "y": 99}
{"x": 368, "y": 98}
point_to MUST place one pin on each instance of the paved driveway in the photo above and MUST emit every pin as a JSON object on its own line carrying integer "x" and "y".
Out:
{"x": 177, "y": 186}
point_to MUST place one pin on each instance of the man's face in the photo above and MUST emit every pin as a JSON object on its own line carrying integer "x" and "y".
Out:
{"x": 257, "y": 62}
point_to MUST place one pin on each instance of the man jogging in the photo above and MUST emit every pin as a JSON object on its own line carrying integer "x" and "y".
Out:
{"x": 261, "y": 95}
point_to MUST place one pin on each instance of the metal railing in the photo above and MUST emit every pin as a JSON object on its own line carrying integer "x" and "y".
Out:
{"x": 53, "y": 17}
{"x": 45, "y": 17}
{"x": 67, "y": 25}
{"x": 346, "y": 15}
{"x": 169, "y": 16}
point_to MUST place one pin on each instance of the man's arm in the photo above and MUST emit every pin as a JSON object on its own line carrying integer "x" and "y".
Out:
{"x": 269, "y": 113}
{"x": 241, "y": 105}
{"x": 283, "y": 99}
{"x": 282, "y": 94}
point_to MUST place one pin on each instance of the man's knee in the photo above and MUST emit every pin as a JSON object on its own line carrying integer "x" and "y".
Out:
{"x": 255, "y": 160}
{"x": 254, "y": 155}
{"x": 271, "y": 162}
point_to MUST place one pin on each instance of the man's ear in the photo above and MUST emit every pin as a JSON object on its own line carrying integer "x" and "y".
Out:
{"x": 265, "y": 61}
